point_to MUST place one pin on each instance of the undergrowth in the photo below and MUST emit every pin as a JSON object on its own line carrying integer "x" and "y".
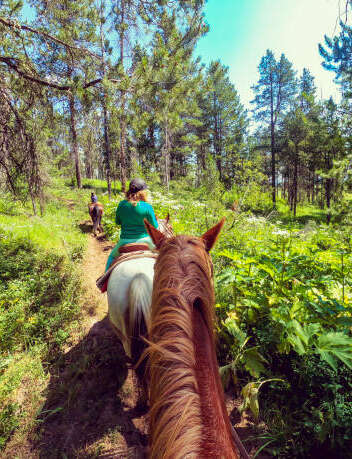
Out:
{"x": 39, "y": 295}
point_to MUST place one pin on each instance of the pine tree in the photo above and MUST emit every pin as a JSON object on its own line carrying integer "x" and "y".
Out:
{"x": 297, "y": 131}
{"x": 75, "y": 23}
{"x": 226, "y": 119}
{"x": 337, "y": 57}
{"x": 333, "y": 150}
{"x": 274, "y": 93}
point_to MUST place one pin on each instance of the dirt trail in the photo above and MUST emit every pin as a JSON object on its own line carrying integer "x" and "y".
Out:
{"x": 94, "y": 385}
{"x": 90, "y": 409}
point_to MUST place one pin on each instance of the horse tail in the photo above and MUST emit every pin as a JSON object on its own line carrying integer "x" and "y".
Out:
{"x": 140, "y": 294}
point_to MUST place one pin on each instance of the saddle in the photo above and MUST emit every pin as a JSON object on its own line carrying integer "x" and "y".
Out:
{"x": 130, "y": 251}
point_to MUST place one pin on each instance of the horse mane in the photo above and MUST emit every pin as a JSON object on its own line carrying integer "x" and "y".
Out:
{"x": 183, "y": 286}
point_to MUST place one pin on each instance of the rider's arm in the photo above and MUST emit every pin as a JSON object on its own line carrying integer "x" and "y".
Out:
{"x": 152, "y": 218}
{"x": 117, "y": 216}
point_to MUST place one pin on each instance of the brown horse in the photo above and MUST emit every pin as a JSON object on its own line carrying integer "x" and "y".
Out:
{"x": 96, "y": 211}
{"x": 188, "y": 416}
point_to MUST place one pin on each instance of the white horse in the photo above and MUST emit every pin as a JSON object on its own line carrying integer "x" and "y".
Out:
{"x": 129, "y": 298}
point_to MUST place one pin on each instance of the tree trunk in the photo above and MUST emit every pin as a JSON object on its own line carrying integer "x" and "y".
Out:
{"x": 216, "y": 137}
{"x": 151, "y": 144}
{"x": 272, "y": 141}
{"x": 328, "y": 186}
{"x": 34, "y": 206}
{"x": 166, "y": 175}
{"x": 123, "y": 148}
{"x": 75, "y": 156}
{"x": 123, "y": 106}
{"x": 107, "y": 152}
{"x": 107, "y": 147}
{"x": 295, "y": 173}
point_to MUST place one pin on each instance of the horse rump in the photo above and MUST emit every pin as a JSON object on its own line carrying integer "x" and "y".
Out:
{"x": 96, "y": 214}
{"x": 139, "y": 313}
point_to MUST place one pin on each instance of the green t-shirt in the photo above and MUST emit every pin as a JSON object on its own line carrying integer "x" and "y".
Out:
{"x": 131, "y": 217}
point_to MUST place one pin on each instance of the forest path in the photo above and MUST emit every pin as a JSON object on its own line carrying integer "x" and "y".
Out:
{"x": 90, "y": 411}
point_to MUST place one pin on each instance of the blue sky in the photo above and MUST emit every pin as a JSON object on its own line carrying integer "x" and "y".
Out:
{"x": 242, "y": 30}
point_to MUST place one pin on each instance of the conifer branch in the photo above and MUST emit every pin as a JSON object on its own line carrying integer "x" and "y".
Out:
{"x": 15, "y": 26}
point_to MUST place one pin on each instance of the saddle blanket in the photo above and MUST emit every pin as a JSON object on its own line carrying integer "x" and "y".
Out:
{"x": 102, "y": 281}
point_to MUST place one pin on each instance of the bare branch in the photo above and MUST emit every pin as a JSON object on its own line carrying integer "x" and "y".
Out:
{"x": 14, "y": 25}
{"x": 13, "y": 64}
{"x": 10, "y": 62}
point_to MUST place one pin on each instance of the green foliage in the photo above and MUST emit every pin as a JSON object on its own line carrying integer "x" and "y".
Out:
{"x": 286, "y": 289}
{"x": 38, "y": 296}
{"x": 210, "y": 182}
{"x": 249, "y": 198}
{"x": 38, "y": 300}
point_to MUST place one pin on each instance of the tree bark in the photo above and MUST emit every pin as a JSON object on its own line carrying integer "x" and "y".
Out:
{"x": 295, "y": 173}
{"x": 167, "y": 159}
{"x": 272, "y": 142}
{"x": 123, "y": 106}
{"x": 74, "y": 150}
{"x": 107, "y": 146}
{"x": 328, "y": 184}
{"x": 107, "y": 152}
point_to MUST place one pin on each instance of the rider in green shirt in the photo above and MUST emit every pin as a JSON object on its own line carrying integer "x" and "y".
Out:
{"x": 130, "y": 214}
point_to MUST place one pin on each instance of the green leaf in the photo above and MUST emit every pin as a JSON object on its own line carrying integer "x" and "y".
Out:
{"x": 253, "y": 362}
{"x": 226, "y": 277}
{"x": 297, "y": 344}
{"x": 234, "y": 330}
{"x": 225, "y": 375}
{"x": 230, "y": 255}
{"x": 328, "y": 358}
{"x": 268, "y": 270}
{"x": 344, "y": 321}
{"x": 250, "y": 398}
{"x": 335, "y": 345}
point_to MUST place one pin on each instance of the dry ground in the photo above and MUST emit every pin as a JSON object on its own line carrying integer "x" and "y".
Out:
{"x": 92, "y": 387}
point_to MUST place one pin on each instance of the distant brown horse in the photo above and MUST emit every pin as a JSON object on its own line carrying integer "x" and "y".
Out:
{"x": 188, "y": 416}
{"x": 96, "y": 211}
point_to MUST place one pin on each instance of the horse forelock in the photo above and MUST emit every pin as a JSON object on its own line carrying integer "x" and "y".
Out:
{"x": 182, "y": 282}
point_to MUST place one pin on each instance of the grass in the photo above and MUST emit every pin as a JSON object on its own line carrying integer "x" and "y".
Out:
{"x": 38, "y": 299}
{"x": 22, "y": 388}
{"x": 100, "y": 186}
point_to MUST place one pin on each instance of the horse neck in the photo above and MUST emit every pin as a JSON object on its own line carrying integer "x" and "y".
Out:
{"x": 188, "y": 414}
{"x": 216, "y": 428}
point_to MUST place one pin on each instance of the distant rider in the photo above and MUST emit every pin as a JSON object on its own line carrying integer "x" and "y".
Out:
{"x": 93, "y": 197}
{"x": 130, "y": 214}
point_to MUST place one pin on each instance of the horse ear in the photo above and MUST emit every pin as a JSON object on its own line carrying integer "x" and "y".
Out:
{"x": 211, "y": 236}
{"x": 156, "y": 236}
{"x": 167, "y": 218}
